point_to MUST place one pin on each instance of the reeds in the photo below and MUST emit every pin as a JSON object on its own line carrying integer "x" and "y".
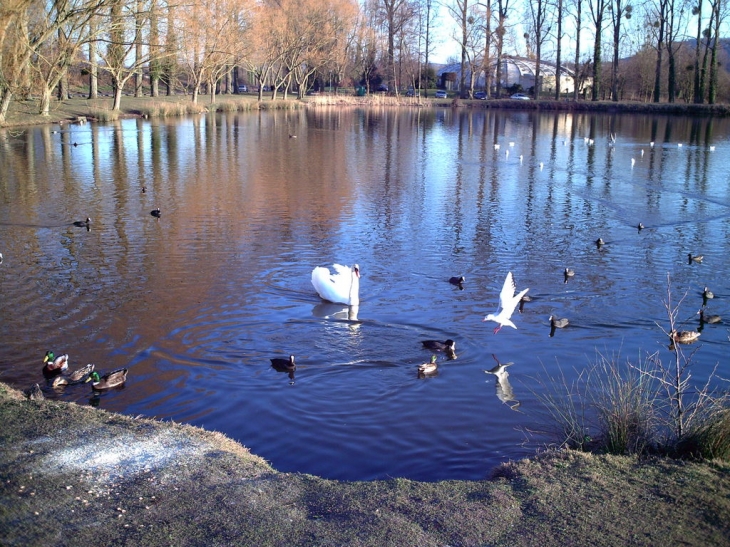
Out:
{"x": 641, "y": 407}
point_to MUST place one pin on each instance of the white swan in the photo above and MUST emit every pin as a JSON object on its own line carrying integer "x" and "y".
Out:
{"x": 343, "y": 287}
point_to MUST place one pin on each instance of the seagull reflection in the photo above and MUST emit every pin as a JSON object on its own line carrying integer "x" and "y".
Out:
{"x": 504, "y": 390}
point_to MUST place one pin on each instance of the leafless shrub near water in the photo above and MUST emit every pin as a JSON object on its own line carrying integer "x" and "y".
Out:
{"x": 646, "y": 406}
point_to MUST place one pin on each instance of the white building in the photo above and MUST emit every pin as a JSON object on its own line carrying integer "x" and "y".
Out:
{"x": 515, "y": 70}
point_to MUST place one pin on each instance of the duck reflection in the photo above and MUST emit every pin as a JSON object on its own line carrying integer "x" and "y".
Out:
{"x": 504, "y": 390}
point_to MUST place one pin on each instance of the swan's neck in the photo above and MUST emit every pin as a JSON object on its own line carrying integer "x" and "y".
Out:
{"x": 353, "y": 296}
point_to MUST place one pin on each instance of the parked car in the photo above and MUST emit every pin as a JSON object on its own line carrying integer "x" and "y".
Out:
{"x": 520, "y": 97}
{"x": 383, "y": 88}
{"x": 481, "y": 95}
{"x": 411, "y": 92}
{"x": 243, "y": 88}
{"x": 440, "y": 94}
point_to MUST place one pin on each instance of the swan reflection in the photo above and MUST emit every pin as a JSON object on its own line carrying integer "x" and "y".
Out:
{"x": 504, "y": 390}
{"x": 338, "y": 312}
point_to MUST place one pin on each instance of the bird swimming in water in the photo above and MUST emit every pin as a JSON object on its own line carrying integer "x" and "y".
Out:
{"x": 343, "y": 287}
{"x": 156, "y": 212}
{"x": 568, "y": 273}
{"x": 556, "y": 323}
{"x": 508, "y": 301}
{"x": 600, "y": 242}
{"x": 458, "y": 281}
{"x": 694, "y": 258}
{"x": 428, "y": 368}
{"x": 684, "y": 336}
{"x": 283, "y": 365}
{"x": 83, "y": 223}
{"x": 707, "y": 294}
{"x": 711, "y": 319}
{"x": 53, "y": 364}
{"x": 436, "y": 345}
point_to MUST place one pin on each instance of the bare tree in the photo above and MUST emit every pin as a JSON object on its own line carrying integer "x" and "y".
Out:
{"x": 597, "y": 9}
{"x": 619, "y": 10}
{"x": 578, "y": 22}
{"x": 503, "y": 11}
{"x": 541, "y": 26}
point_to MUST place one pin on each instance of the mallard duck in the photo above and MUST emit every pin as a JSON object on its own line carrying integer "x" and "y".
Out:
{"x": 435, "y": 345}
{"x": 709, "y": 318}
{"x": 34, "y": 393}
{"x": 111, "y": 379}
{"x": 694, "y": 258}
{"x": 428, "y": 368}
{"x": 556, "y": 323}
{"x": 458, "y": 281}
{"x": 684, "y": 336}
{"x": 156, "y": 212}
{"x": 707, "y": 294}
{"x": 76, "y": 377}
{"x": 83, "y": 223}
{"x": 283, "y": 365}
{"x": 53, "y": 364}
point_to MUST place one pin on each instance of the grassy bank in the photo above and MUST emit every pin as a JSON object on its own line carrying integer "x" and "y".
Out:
{"x": 76, "y": 475}
{"x": 25, "y": 113}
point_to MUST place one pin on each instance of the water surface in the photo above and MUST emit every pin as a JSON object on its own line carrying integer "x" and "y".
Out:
{"x": 196, "y": 302}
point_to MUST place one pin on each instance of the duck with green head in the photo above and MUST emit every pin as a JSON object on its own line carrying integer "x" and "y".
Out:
{"x": 111, "y": 379}
{"x": 53, "y": 364}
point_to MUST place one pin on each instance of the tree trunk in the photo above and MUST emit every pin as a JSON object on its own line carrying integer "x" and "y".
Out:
{"x": 93, "y": 72}
{"x": 596, "y": 66}
{"x": 699, "y": 96}
{"x": 558, "y": 49}
{"x": 45, "y": 106}
{"x": 576, "y": 77}
{"x": 117, "y": 96}
{"x": 5, "y": 97}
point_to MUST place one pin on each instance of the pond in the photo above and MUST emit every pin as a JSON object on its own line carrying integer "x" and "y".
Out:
{"x": 196, "y": 302}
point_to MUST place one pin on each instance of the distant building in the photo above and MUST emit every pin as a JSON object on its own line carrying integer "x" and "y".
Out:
{"x": 515, "y": 70}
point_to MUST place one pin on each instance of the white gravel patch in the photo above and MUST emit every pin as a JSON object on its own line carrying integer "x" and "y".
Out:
{"x": 120, "y": 456}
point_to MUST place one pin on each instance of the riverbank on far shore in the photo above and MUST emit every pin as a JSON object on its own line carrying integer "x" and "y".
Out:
{"x": 25, "y": 112}
{"x": 75, "y": 475}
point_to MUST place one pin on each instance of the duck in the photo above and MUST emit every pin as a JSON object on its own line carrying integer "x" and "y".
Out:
{"x": 53, "y": 364}
{"x": 77, "y": 377}
{"x": 428, "y": 368}
{"x": 458, "y": 281}
{"x": 600, "y": 242}
{"x": 640, "y": 226}
{"x": 711, "y": 319}
{"x": 436, "y": 345}
{"x": 35, "y": 393}
{"x": 156, "y": 212}
{"x": 556, "y": 323}
{"x": 111, "y": 379}
{"x": 283, "y": 365}
{"x": 568, "y": 273}
{"x": 694, "y": 258}
{"x": 684, "y": 336}
{"x": 508, "y": 301}
{"x": 343, "y": 287}
{"x": 707, "y": 294}
{"x": 83, "y": 223}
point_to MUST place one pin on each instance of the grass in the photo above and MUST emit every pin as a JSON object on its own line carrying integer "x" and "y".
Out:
{"x": 75, "y": 475}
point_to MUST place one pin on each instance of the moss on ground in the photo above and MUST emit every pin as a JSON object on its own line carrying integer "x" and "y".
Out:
{"x": 75, "y": 475}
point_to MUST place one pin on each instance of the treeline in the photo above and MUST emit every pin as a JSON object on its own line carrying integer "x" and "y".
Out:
{"x": 287, "y": 45}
